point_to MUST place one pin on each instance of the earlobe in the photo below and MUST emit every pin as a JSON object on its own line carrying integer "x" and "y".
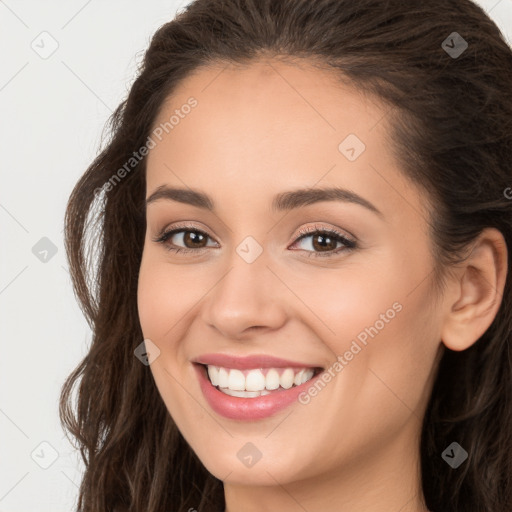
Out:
{"x": 478, "y": 291}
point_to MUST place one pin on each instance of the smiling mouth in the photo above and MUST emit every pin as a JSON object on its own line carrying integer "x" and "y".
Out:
{"x": 252, "y": 383}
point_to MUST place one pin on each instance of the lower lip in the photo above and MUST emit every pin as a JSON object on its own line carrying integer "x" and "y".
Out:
{"x": 238, "y": 408}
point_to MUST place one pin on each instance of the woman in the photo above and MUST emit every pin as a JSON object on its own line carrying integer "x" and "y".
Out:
{"x": 302, "y": 299}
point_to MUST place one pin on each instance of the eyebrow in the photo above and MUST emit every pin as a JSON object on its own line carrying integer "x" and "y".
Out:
{"x": 283, "y": 201}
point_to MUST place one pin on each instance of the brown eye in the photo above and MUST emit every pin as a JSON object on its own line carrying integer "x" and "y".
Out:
{"x": 321, "y": 242}
{"x": 324, "y": 242}
{"x": 188, "y": 240}
{"x": 193, "y": 239}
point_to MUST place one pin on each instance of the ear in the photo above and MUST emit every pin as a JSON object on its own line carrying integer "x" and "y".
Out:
{"x": 475, "y": 291}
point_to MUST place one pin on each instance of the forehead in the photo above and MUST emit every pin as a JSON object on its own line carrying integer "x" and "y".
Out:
{"x": 268, "y": 95}
{"x": 275, "y": 125}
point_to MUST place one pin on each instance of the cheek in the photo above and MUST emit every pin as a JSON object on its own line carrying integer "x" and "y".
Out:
{"x": 347, "y": 300}
{"x": 400, "y": 354}
{"x": 165, "y": 294}
{"x": 379, "y": 318}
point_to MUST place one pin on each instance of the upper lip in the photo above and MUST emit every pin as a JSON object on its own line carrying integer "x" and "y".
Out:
{"x": 248, "y": 362}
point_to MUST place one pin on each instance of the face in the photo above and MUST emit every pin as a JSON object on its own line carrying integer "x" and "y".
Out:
{"x": 339, "y": 282}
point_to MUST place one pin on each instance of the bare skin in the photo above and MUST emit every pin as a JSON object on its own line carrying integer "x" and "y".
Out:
{"x": 258, "y": 131}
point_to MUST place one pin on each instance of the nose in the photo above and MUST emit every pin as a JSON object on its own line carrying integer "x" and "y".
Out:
{"x": 248, "y": 298}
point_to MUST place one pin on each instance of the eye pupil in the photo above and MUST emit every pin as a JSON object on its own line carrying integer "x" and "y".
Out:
{"x": 325, "y": 243}
{"x": 194, "y": 237}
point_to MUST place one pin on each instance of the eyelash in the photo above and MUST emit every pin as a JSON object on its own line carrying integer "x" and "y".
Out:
{"x": 304, "y": 233}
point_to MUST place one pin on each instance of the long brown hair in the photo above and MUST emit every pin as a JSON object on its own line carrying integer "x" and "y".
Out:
{"x": 451, "y": 129}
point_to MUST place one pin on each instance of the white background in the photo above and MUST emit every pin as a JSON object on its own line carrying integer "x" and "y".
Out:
{"x": 52, "y": 112}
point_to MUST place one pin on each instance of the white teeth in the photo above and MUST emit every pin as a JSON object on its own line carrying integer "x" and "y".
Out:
{"x": 308, "y": 374}
{"x": 236, "y": 380}
{"x": 272, "y": 379}
{"x": 253, "y": 383}
{"x": 245, "y": 394}
{"x": 223, "y": 378}
{"x": 286, "y": 379}
{"x": 213, "y": 373}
